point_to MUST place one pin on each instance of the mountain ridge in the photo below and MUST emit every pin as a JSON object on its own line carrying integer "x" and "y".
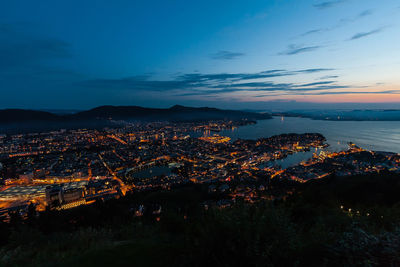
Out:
{"x": 106, "y": 112}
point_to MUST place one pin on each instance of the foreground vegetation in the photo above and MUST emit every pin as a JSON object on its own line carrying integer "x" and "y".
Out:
{"x": 352, "y": 221}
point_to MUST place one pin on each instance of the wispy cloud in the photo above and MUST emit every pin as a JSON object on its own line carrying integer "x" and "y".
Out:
{"x": 342, "y": 22}
{"x": 316, "y": 83}
{"x": 329, "y": 77}
{"x": 226, "y": 55}
{"x": 314, "y": 70}
{"x": 222, "y": 85}
{"x": 328, "y": 4}
{"x": 20, "y": 49}
{"x": 365, "y": 13}
{"x": 139, "y": 83}
{"x": 202, "y": 84}
{"x": 391, "y": 92}
{"x": 355, "y": 92}
{"x": 295, "y": 49}
{"x": 27, "y": 60}
{"x": 314, "y": 31}
{"x": 365, "y": 34}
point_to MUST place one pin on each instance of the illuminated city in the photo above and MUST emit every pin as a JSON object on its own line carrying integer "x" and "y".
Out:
{"x": 67, "y": 168}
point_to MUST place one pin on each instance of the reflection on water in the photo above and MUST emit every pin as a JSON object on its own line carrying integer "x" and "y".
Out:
{"x": 294, "y": 159}
{"x": 291, "y": 160}
{"x": 372, "y": 135}
{"x": 151, "y": 172}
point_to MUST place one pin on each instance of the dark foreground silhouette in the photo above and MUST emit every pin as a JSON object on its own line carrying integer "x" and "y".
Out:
{"x": 351, "y": 221}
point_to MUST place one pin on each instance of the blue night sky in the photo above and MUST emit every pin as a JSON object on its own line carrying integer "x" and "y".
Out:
{"x": 230, "y": 54}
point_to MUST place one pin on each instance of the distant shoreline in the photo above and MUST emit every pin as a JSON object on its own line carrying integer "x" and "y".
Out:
{"x": 354, "y": 115}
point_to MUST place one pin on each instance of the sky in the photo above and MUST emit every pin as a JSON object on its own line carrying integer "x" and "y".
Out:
{"x": 258, "y": 54}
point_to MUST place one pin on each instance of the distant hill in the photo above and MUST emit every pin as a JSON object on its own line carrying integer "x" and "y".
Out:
{"x": 175, "y": 113}
{"x": 24, "y": 115}
{"x": 100, "y": 116}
